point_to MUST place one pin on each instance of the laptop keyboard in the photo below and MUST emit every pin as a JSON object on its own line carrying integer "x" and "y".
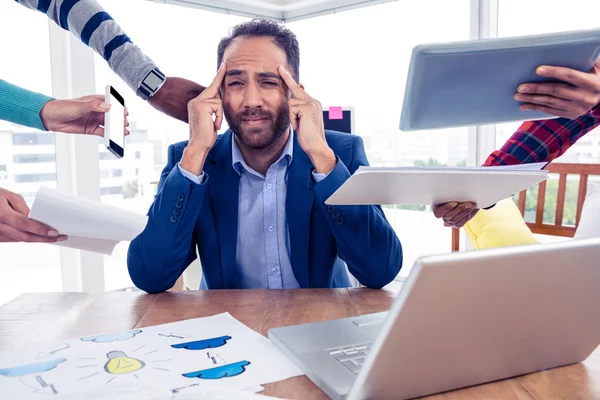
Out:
{"x": 351, "y": 357}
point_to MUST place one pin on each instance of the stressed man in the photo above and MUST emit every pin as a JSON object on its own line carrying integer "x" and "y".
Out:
{"x": 252, "y": 201}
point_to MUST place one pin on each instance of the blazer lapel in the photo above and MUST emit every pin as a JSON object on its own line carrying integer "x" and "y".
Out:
{"x": 298, "y": 208}
{"x": 224, "y": 193}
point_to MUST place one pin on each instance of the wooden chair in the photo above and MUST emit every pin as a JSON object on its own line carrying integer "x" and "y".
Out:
{"x": 557, "y": 228}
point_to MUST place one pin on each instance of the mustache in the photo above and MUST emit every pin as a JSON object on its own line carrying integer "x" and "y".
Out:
{"x": 255, "y": 112}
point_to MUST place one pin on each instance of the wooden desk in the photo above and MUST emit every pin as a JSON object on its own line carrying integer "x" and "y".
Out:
{"x": 56, "y": 316}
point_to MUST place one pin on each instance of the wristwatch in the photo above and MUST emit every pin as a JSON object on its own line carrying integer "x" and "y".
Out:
{"x": 151, "y": 83}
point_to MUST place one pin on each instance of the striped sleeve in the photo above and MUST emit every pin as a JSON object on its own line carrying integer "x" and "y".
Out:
{"x": 87, "y": 20}
{"x": 543, "y": 141}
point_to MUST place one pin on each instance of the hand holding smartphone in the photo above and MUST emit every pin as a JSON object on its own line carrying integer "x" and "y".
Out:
{"x": 114, "y": 122}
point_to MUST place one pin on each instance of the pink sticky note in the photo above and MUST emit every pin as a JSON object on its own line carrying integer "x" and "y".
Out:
{"x": 336, "y": 113}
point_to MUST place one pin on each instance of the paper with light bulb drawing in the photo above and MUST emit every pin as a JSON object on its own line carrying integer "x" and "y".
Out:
{"x": 211, "y": 352}
{"x": 90, "y": 225}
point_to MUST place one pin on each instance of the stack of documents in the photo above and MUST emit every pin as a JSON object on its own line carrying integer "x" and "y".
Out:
{"x": 484, "y": 186}
{"x": 89, "y": 225}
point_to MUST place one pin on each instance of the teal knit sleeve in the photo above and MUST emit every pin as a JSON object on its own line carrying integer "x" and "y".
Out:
{"x": 21, "y": 106}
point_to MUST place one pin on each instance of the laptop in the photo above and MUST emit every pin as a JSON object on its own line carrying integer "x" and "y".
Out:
{"x": 473, "y": 82}
{"x": 460, "y": 319}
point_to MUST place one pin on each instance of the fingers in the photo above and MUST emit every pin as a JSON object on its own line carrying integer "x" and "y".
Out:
{"x": 440, "y": 210}
{"x": 459, "y": 212}
{"x": 297, "y": 91}
{"x": 454, "y": 213}
{"x": 17, "y": 203}
{"x": 466, "y": 219}
{"x": 218, "y": 117}
{"x": 548, "y": 101}
{"x": 17, "y": 235}
{"x": 575, "y": 78}
{"x": 557, "y": 90}
{"x": 213, "y": 89}
{"x": 551, "y": 111}
{"x": 20, "y": 222}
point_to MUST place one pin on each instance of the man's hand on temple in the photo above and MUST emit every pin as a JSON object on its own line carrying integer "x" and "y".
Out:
{"x": 15, "y": 226}
{"x": 576, "y": 94}
{"x": 203, "y": 129}
{"x": 306, "y": 116}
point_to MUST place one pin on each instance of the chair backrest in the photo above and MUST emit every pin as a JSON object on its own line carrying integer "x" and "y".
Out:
{"x": 557, "y": 228}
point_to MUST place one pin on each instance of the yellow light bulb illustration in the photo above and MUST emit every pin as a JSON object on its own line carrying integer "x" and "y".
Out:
{"x": 118, "y": 363}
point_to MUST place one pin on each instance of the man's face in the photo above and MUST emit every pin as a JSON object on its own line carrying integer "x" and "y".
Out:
{"x": 255, "y": 99}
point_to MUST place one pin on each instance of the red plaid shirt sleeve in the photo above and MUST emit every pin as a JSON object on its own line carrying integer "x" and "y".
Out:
{"x": 543, "y": 141}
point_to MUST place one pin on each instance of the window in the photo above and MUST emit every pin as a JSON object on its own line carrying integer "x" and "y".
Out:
{"x": 33, "y": 158}
{"x": 515, "y": 18}
{"x": 111, "y": 190}
{"x": 111, "y": 173}
{"x": 107, "y": 156}
{"x": 35, "y": 178}
{"x": 26, "y": 267}
{"x": 152, "y": 131}
{"x": 364, "y": 65}
{"x": 33, "y": 139}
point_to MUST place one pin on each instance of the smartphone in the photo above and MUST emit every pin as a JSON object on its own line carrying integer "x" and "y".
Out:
{"x": 114, "y": 122}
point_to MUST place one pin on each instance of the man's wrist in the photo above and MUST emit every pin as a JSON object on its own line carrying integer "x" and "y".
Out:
{"x": 323, "y": 160}
{"x": 193, "y": 160}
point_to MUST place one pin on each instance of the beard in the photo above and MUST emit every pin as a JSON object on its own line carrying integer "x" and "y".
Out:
{"x": 258, "y": 137}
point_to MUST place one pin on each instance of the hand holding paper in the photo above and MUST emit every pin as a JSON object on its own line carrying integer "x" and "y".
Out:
{"x": 16, "y": 227}
{"x": 90, "y": 225}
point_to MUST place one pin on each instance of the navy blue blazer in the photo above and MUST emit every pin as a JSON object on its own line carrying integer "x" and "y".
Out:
{"x": 185, "y": 215}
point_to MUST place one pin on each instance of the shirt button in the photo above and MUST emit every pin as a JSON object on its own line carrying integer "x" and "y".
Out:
{"x": 269, "y": 186}
{"x": 273, "y": 271}
{"x": 270, "y": 228}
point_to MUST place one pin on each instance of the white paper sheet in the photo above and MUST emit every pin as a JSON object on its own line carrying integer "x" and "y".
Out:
{"x": 90, "y": 225}
{"x": 435, "y": 185}
{"x": 215, "y": 352}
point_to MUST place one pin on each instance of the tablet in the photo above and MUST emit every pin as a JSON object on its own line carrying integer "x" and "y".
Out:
{"x": 473, "y": 82}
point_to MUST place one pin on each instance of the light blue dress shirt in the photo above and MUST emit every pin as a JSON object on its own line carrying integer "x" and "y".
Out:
{"x": 263, "y": 244}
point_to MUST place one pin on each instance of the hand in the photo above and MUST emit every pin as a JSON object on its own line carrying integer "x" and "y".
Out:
{"x": 578, "y": 92}
{"x": 306, "y": 116}
{"x": 83, "y": 115}
{"x": 16, "y": 227}
{"x": 173, "y": 97}
{"x": 455, "y": 214}
{"x": 203, "y": 130}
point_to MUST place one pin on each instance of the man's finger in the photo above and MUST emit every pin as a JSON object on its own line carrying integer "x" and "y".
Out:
{"x": 461, "y": 210}
{"x": 218, "y": 118}
{"x": 6, "y": 239}
{"x": 559, "y": 90}
{"x": 551, "y": 111}
{"x": 24, "y": 224}
{"x": 440, "y": 210}
{"x": 569, "y": 75}
{"x": 297, "y": 91}
{"x": 549, "y": 101}
{"x": 466, "y": 219}
{"x": 213, "y": 89}
{"x": 20, "y": 236}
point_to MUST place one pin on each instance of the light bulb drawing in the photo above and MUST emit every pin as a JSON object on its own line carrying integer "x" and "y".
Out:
{"x": 119, "y": 363}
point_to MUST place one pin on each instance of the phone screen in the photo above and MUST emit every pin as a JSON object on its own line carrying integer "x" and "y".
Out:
{"x": 117, "y": 118}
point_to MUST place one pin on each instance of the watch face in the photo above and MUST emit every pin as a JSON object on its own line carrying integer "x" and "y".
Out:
{"x": 153, "y": 80}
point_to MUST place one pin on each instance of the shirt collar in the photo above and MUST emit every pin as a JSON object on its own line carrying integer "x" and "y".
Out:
{"x": 237, "y": 159}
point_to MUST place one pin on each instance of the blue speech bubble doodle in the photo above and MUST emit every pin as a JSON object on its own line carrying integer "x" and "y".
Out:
{"x": 203, "y": 344}
{"x": 36, "y": 368}
{"x": 224, "y": 371}
{"x": 112, "y": 337}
